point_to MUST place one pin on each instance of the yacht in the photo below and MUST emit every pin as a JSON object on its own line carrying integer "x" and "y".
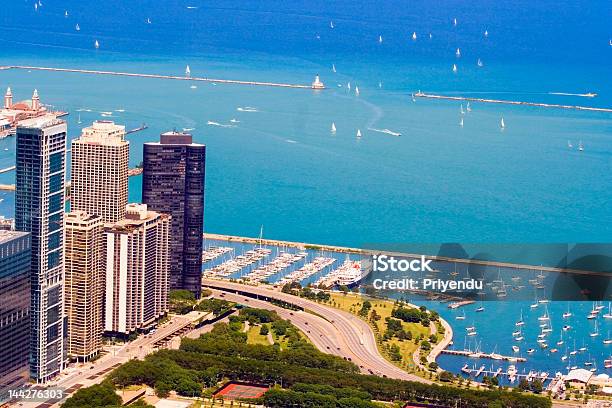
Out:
{"x": 460, "y": 317}
{"x": 455, "y": 22}
{"x": 66, "y": 13}
{"x": 569, "y": 144}
{"x": 580, "y": 146}
{"x": 530, "y": 351}
{"x": 479, "y": 63}
{"x": 516, "y": 349}
{"x": 486, "y": 33}
{"x": 380, "y": 40}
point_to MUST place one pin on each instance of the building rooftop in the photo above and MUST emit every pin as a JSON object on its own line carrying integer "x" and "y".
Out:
{"x": 40, "y": 122}
{"x": 103, "y": 132}
{"x": 580, "y": 375}
{"x": 175, "y": 138}
{"x": 81, "y": 217}
{"x": 10, "y": 235}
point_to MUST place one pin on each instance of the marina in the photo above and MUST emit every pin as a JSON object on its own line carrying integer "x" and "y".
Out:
{"x": 317, "y": 84}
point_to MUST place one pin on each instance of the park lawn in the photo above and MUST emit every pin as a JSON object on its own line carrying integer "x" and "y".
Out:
{"x": 253, "y": 336}
{"x": 352, "y": 303}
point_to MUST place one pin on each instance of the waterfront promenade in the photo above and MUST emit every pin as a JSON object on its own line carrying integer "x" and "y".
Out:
{"x": 507, "y": 102}
{"x": 159, "y": 76}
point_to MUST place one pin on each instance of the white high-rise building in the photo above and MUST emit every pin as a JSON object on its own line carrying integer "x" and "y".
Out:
{"x": 100, "y": 171}
{"x": 137, "y": 269}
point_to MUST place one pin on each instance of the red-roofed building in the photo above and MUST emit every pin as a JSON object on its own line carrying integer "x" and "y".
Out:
{"x": 13, "y": 113}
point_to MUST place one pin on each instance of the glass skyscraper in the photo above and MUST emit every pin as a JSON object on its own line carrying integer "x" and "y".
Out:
{"x": 14, "y": 310}
{"x": 39, "y": 210}
{"x": 173, "y": 183}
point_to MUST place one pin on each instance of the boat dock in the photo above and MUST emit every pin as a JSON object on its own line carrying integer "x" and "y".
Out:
{"x": 138, "y": 129}
{"x": 507, "y": 102}
{"x": 467, "y": 353}
{"x": 457, "y": 305}
{"x": 7, "y": 169}
{"x": 159, "y": 76}
{"x": 7, "y": 187}
{"x": 369, "y": 252}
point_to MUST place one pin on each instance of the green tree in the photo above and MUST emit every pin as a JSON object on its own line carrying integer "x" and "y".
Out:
{"x": 98, "y": 395}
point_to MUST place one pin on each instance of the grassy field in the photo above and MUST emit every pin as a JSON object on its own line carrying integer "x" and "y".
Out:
{"x": 352, "y": 303}
{"x": 253, "y": 336}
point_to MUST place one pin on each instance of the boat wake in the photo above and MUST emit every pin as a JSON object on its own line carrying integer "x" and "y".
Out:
{"x": 247, "y": 109}
{"x": 290, "y": 141}
{"x": 211, "y": 123}
{"x": 584, "y": 95}
{"x": 386, "y": 131}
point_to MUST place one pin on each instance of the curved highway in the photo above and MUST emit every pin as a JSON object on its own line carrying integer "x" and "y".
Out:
{"x": 330, "y": 330}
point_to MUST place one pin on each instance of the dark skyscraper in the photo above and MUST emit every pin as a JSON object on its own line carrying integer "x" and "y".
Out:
{"x": 14, "y": 310}
{"x": 39, "y": 210}
{"x": 173, "y": 183}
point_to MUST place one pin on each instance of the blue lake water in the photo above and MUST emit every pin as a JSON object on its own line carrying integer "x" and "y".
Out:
{"x": 281, "y": 166}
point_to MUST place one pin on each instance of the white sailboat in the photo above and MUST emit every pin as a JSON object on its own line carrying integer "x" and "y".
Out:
{"x": 455, "y": 22}
{"x": 455, "y": 68}
{"x": 334, "y": 68}
{"x": 97, "y": 44}
{"x": 66, "y": 13}
{"x": 458, "y": 53}
{"x": 479, "y": 63}
{"x": 609, "y": 314}
{"x": 77, "y": 27}
{"x": 187, "y": 71}
{"x": 414, "y": 36}
{"x": 596, "y": 332}
{"x": 580, "y": 146}
{"x": 486, "y": 33}
{"x": 569, "y": 144}
{"x": 348, "y": 86}
{"x": 502, "y": 124}
{"x": 357, "y": 90}
{"x": 148, "y": 20}
{"x": 380, "y": 40}
{"x": 568, "y": 313}
{"x": 79, "y": 120}
{"x": 468, "y": 108}
{"x": 461, "y": 109}
{"x": 461, "y": 122}
{"x": 358, "y": 133}
{"x": 380, "y": 84}
{"x": 331, "y": 24}
{"x": 333, "y": 127}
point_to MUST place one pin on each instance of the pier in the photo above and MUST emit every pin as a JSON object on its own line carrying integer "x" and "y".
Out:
{"x": 138, "y": 129}
{"x": 493, "y": 356}
{"x": 172, "y": 77}
{"x": 507, "y": 102}
{"x": 7, "y": 169}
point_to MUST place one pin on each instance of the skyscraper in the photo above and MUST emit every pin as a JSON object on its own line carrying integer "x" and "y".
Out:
{"x": 83, "y": 283}
{"x": 39, "y": 209}
{"x": 99, "y": 171}
{"x": 14, "y": 310}
{"x": 137, "y": 261}
{"x": 173, "y": 183}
